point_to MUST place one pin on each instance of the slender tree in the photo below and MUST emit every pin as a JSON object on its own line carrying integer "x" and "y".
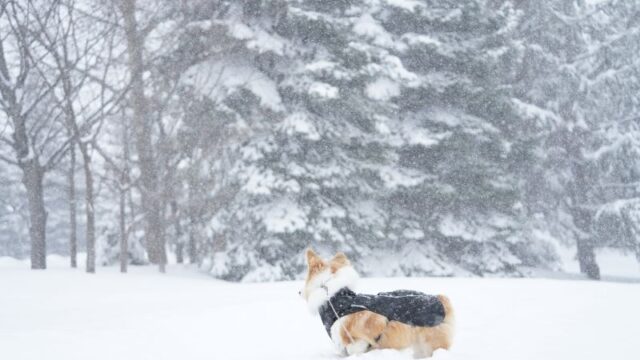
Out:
{"x": 73, "y": 207}
{"x": 37, "y": 139}
{"x": 61, "y": 38}
{"x": 142, "y": 130}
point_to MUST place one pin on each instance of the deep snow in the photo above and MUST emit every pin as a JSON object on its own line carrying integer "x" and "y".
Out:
{"x": 65, "y": 314}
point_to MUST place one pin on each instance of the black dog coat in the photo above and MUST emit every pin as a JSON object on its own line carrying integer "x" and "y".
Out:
{"x": 406, "y": 306}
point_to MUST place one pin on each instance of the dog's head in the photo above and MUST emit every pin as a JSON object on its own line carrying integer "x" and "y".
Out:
{"x": 326, "y": 277}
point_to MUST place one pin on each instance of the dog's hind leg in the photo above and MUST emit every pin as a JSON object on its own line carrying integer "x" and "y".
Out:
{"x": 422, "y": 349}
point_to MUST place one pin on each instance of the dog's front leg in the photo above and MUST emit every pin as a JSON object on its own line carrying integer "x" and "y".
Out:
{"x": 357, "y": 347}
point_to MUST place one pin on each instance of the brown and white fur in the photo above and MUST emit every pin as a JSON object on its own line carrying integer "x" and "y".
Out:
{"x": 359, "y": 332}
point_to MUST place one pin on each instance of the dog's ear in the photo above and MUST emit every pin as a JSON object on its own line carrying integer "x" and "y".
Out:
{"x": 339, "y": 260}
{"x": 340, "y": 257}
{"x": 312, "y": 257}
{"x": 314, "y": 262}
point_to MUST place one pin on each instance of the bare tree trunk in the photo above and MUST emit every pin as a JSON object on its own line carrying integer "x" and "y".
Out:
{"x": 581, "y": 213}
{"x": 90, "y": 211}
{"x": 73, "y": 232}
{"x": 154, "y": 231}
{"x": 32, "y": 171}
{"x": 180, "y": 253}
{"x": 124, "y": 244}
{"x": 582, "y": 218}
{"x": 124, "y": 183}
{"x": 178, "y": 232}
{"x": 587, "y": 259}
{"x": 32, "y": 179}
{"x": 72, "y": 122}
{"x": 192, "y": 245}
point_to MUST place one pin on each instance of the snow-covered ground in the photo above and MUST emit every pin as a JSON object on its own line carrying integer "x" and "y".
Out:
{"x": 66, "y": 314}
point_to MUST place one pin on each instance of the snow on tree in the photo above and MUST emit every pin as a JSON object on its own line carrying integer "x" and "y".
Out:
{"x": 370, "y": 127}
{"x": 577, "y": 89}
{"x": 434, "y": 137}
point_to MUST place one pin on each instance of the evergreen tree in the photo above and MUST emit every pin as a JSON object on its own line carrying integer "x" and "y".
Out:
{"x": 576, "y": 88}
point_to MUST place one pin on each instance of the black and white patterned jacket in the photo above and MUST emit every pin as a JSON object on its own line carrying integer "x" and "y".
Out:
{"x": 406, "y": 306}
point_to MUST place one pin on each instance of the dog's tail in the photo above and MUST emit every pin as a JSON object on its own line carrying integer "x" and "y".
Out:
{"x": 447, "y": 327}
{"x": 449, "y": 314}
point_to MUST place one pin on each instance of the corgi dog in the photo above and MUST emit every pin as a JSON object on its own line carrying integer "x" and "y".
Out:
{"x": 358, "y": 323}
